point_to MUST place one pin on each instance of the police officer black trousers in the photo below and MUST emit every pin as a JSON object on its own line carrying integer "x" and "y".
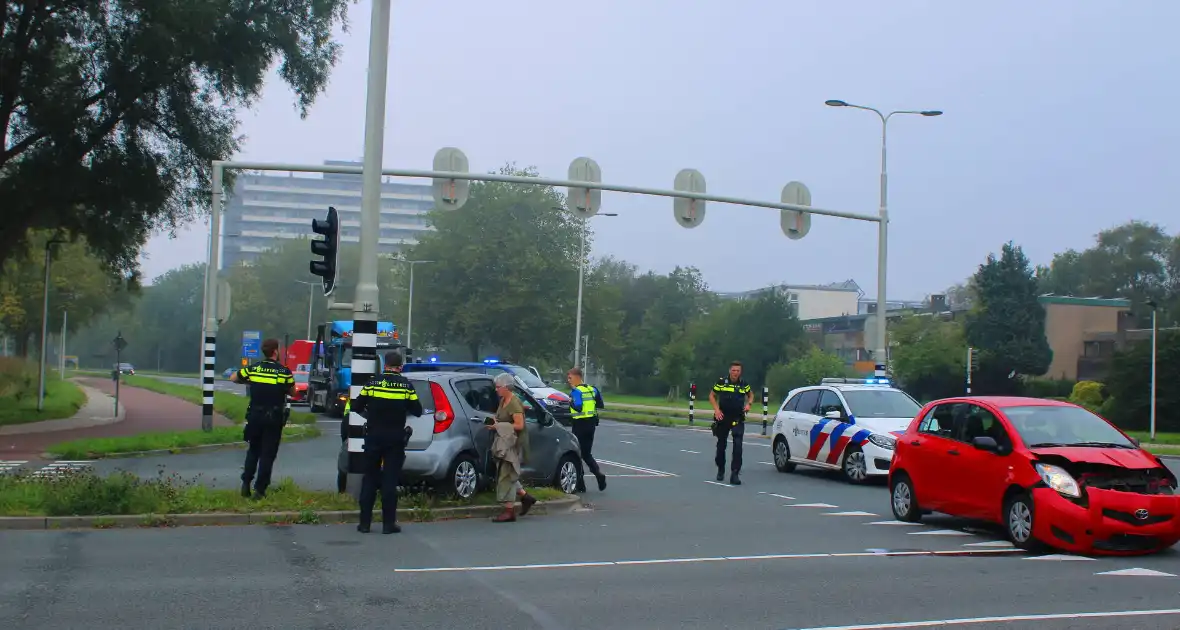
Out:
{"x": 724, "y": 429}
{"x": 263, "y": 439}
{"x": 383, "y": 467}
{"x": 584, "y": 430}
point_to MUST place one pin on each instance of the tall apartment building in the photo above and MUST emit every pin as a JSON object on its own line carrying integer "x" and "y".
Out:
{"x": 263, "y": 208}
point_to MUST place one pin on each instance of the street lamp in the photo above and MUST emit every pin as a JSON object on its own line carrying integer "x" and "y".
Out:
{"x": 880, "y": 353}
{"x": 1154, "y": 333}
{"x": 310, "y": 301}
{"x": 581, "y": 282}
{"x": 410, "y": 310}
{"x": 45, "y": 323}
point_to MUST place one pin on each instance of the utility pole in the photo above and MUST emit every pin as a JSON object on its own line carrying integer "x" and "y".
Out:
{"x": 45, "y": 324}
{"x": 61, "y": 359}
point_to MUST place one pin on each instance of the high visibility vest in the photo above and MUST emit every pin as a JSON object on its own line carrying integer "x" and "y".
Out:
{"x": 588, "y": 403}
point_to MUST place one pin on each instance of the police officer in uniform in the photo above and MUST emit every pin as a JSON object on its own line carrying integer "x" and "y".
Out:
{"x": 585, "y": 401}
{"x": 268, "y": 383}
{"x": 731, "y": 399}
{"x": 385, "y": 402}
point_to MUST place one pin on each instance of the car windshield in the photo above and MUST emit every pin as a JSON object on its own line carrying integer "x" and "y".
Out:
{"x": 1053, "y": 425}
{"x": 301, "y": 377}
{"x": 880, "y": 403}
{"x": 525, "y": 375}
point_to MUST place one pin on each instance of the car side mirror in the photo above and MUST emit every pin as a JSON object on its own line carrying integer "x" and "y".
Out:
{"x": 986, "y": 443}
{"x": 547, "y": 419}
{"x": 1135, "y": 441}
{"x": 834, "y": 415}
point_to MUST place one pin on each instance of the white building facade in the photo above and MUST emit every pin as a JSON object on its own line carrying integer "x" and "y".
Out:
{"x": 812, "y": 301}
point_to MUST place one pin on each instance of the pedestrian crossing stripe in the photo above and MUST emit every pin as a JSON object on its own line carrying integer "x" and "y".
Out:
{"x": 52, "y": 469}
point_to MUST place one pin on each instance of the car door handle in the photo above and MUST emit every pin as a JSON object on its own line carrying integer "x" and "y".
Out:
{"x": 952, "y": 452}
{"x": 915, "y": 443}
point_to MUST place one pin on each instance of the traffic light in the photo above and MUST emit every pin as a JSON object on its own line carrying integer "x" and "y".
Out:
{"x": 328, "y": 248}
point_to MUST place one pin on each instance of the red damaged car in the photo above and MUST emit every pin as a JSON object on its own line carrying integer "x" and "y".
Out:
{"x": 1050, "y": 472}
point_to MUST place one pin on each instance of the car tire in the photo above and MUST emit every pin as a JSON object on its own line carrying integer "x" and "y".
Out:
{"x": 782, "y": 455}
{"x": 902, "y": 499}
{"x": 855, "y": 466}
{"x": 1019, "y": 519}
{"x": 569, "y": 470}
{"x": 463, "y": 477}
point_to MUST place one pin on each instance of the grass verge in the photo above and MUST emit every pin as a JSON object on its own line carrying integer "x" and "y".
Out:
{"x": 98, "y": 448}
{"x": 229, "y": 405}
{"x": 63, "y": 399}
{"x": 121, "y": 493}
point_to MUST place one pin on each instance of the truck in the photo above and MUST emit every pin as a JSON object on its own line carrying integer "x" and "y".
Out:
{"x": 298, "y": 354}
{"x": 330, "y": 375}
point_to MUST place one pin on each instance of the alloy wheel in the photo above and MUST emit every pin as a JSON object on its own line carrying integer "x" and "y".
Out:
{"x": 465, "y": 479}
{"x": 782, "y": 455}
{"x": 1020, "y": 521}
{"x": 902, "y": 498}
{"x": 567, "y": 477}
{"x": 855, "y": 466}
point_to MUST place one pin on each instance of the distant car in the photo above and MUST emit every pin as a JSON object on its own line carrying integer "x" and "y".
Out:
{"x": 449, "y": 446}
{"x": 558, "y": 403}
{"x": 124, "y": 368}
{"x": 1052, "y": 473}
{"x": 842, "y": 424}
{"x": 300, "y": 397}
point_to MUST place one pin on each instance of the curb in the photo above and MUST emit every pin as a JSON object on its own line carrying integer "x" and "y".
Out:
{"x": 180, "y": 449}
{"x": 327, "y": 517}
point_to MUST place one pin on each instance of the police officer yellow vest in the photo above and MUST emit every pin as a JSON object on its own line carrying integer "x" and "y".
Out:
{"x": 588, "y": 403}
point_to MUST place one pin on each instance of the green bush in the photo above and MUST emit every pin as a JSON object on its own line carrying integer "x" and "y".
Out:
{"x": 1048, "y": 387}
{"x": 18, "y": 378}
{"x": 1087, "y": 394}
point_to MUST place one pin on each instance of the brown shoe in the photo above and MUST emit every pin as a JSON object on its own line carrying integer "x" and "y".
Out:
{"x": 507, "y": 516}
{"x": 526, "y": 503}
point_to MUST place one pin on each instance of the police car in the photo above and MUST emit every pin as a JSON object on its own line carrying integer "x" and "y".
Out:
{"x": 844, "y": 424}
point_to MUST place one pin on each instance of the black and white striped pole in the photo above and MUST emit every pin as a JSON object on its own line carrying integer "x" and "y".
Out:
{"x": 692, "y": 397}
{"x": 765, "y": 406}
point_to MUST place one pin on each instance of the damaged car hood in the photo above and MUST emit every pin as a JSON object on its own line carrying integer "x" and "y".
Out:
{"x": 1123, "y": 458}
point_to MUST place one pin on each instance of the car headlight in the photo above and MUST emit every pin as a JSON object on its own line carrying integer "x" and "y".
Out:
{"x": 884, "y": 441}
{"x": 1056, "y": 478}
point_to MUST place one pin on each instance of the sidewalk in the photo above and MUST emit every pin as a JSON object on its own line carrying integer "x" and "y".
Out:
{"x": 142, "y": 411}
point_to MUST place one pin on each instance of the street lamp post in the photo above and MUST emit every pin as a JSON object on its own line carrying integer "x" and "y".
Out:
{"x": 410, "y": 309}
{"x": 45, "y": 323}
{"x": 1154, "y": 333}
{"x": 581, "y": 282}
{"x": 310, "y": 302}
{"x": 881, "y": 353}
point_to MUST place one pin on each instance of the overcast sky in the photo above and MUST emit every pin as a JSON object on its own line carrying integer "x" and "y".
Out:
{"x": 1059, "y": 122}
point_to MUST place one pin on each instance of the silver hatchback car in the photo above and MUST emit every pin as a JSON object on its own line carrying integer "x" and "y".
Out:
{"x": 449, "y": 447}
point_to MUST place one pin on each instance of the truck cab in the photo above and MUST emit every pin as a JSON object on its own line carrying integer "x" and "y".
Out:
{"x": 330, "y": 376}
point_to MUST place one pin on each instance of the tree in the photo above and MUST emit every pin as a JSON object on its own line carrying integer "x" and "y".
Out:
{"x": 78, "y": 285}
{"x": 758, "y": 332}
{"x": 675, "y": 363}
{"x": 1129, "y": 395}
{"x": 1008, "y": 323}
{"x": 1137, "y": 261}
{"x": 929, "y": 356}
{"x": 811, "y": 367}
{"x": 127, "y": 104}
{"x": 506, "y": 270}
{"x": 960, "y": 297}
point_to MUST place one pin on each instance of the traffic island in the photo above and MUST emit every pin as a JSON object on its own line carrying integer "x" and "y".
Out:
{"x": 121, "y": 500}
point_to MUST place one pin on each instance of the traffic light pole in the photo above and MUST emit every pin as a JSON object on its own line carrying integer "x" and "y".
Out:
{"x": 209, "y": 342}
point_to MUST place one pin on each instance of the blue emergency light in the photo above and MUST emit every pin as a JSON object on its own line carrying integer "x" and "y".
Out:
{"x": 434, "y": 359}
{"x": 491, "y": 361}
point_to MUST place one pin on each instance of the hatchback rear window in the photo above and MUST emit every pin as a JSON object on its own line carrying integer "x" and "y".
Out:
{"x": 424, "y": 395}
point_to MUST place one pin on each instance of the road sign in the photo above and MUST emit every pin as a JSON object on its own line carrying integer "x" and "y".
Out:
{"x": 689, "y": 213}
{"x": 795, "y": 224}
{"x": 585, "y": 202}
{"x": 251, "y": 343}
{"x": 120, "y": 342}
{"x": 450, "y": 194}
{"x": 223, "y": 300}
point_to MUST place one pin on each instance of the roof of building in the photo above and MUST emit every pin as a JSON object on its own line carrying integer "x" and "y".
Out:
{"x": 846, "y": 286}
{"x": 1069, "y": 300}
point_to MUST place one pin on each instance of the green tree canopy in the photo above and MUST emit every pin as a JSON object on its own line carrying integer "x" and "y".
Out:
{"x": 810, "y": 367}
{"x": 506, "y": 271}
{"x": 1008, "y": 323}
{"x": 128, "y": 102}
{"x": 929, "y": 356}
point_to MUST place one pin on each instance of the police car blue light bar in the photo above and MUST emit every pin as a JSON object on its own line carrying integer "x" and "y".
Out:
{"x": 434, "y": 359}
{"x": 491, "y": 361}
{"x": 856, "y": 381}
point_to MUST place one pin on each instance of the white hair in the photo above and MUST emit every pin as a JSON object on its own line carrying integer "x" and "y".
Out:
{"x": 504, "y": 379}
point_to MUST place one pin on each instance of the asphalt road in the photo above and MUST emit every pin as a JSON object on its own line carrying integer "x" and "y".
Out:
{"x": 663, "y": 547}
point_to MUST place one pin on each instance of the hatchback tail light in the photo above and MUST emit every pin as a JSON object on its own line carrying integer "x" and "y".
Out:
{"x": 444, "y": 415}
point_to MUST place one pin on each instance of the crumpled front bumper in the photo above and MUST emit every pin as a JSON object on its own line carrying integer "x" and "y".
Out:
{"x": 1107, "y": 521}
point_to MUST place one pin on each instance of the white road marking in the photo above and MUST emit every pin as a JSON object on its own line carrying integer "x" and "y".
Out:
{"x": 940, "y": 532}
{"x": 1138, "y": 572}
{"x": 767, "y": 463}
{"x": 965, "y": 621}
{"x": 11, "y": 464}
{"x": 693, "y": 452}
{"x": 1058, "y": 557}
{"x": 626, "y": 442}
{"x": 782, "y": 496}
{"x": 61, "y": 468}
{"x": 718, "y": 483}
{"x": 641, "y": 469}
{"x": 614, "y": 476}
{"x": 894, "y": 523}
{"x": 990, "y": 543}
{"x": 813, "y": 505}
{"x": 785, "y": 556}
{"x": 848, "y": 514}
